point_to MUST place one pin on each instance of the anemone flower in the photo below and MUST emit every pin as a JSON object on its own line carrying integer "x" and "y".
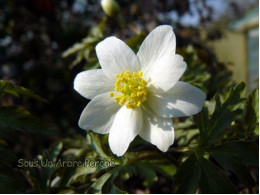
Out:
{"x": 137, "y": 94}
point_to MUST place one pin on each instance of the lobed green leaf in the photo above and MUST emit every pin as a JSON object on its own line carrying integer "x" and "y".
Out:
{"x": 19, "y": 119}
{"x": 212, "y": 180}
{"x": 186, "y": 180}
{"x": 12, "y": 89}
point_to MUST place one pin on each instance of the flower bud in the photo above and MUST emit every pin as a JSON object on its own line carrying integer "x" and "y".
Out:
{"x": 110, "y": 7}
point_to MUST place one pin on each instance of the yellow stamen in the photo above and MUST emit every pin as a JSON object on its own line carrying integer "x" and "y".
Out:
{"x": 111, "y": 94}
{"x": 132, "y": 88}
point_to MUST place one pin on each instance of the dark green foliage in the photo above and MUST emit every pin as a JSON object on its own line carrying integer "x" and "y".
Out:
{"x": 199, "y": 173}
{"x": 11, "y": 180}
{"x": 252, "y": 115}
{"x": 211, "y": 131}
{"x": 13, "y": 119}
{"x": 244, "y": 152}
{"x": 105, "y": 184}
{"x": 43, "y": 172}
{"x": 85, "y": 50}
{"x": 212, "y": 180}
{"x": 197, "y": 72}
{"x": 218, "y": 141}
{"x": 188, "y": 176}
{"x": 235, "y": 156}
{"x": 7, "y": 87}
{"x": 19, "y": 119}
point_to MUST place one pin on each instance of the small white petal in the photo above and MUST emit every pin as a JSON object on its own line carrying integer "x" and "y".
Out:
{"x": 166, "y": 73}
{"x": 99, "y": 114}
{"x": 182, "y": 99}
{"x": 116, "y": 57}
{"x": 92, "y": 83}
{"x": 157, "y": 130}
{"x": 160, "y": 42}
{"x": 127, "y": 124}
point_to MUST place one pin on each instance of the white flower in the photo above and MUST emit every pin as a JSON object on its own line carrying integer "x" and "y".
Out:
{"x": 137, "y": 94}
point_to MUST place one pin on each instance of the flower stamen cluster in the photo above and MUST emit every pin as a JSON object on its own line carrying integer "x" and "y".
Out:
{"x": 132, "y": 88}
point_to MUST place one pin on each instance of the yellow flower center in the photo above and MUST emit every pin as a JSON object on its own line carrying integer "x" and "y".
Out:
{"x": 132, "y": 88}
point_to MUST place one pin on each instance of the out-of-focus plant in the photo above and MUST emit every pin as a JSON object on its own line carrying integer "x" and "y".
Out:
{"x": 85, "y": 49}
{"x": 15, "y": 121}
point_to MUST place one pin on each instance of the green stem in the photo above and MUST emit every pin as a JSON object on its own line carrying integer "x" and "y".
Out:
{"x": 153, "y": 154}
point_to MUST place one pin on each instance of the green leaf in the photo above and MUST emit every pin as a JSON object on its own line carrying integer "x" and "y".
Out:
{"x": 77, "y": 47}
{"x": 85, "y": 49}
{"x": 110, "y": 187}
{"x": 236, "y": 166}
{"x": 148, "y": 175}
{"x": 234, "y": 156}
{"x": 221, "y": 119}
{"x": 212, "y": 128}
{"x": 80, "y": 172}
{"x": 53, "y": 152}
{"x": 92, "y": 63}
{"x": 202, "y": 122}
{"x": 246, "y": 152}
{"x": 105, "y": 184}
{"x": 197, "y": 172}
{"x": 255, "y": 102}
{"x": 11, "y": 181}
{"x": 96, "y": 187}
{"x": 187, "y": 124}
{"x": 165, "y": 167}
{"x": 146, "y": 172}
{"x": 78, "y": 59}
{"x": 197, "y": 72}
{"x": 10, "y": 88}
{"x": 19, "y": 119}
{"x": 184, "y": 137}
{"x": 96, "y": 145}
{"x": 251, "y": 120}
{"x": 41, "y": 176}
{"x": 212, "y": 180}
{"x": 186, "y": 180}
{"x": 116, "y": 190}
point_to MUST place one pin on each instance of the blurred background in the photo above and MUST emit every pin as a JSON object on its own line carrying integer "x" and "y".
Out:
{"x": 45, "y": 43}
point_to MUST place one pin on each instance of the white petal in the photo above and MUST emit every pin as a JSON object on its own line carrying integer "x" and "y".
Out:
{"x": 127, "y": 124}
{"x": 181, "y": 100}
{"x": 92, "y": 83}
{"x": 166, "y": 73}
{"x": 157, "y": 130}
{"x": 160, "y": 42}
{"x": 99, "y": 114}
{"x": 115, "y": 57}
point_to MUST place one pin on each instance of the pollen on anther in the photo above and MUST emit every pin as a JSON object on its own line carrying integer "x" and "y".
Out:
{"x": 111, "y": 94}
{"x": 132, "y": 88}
